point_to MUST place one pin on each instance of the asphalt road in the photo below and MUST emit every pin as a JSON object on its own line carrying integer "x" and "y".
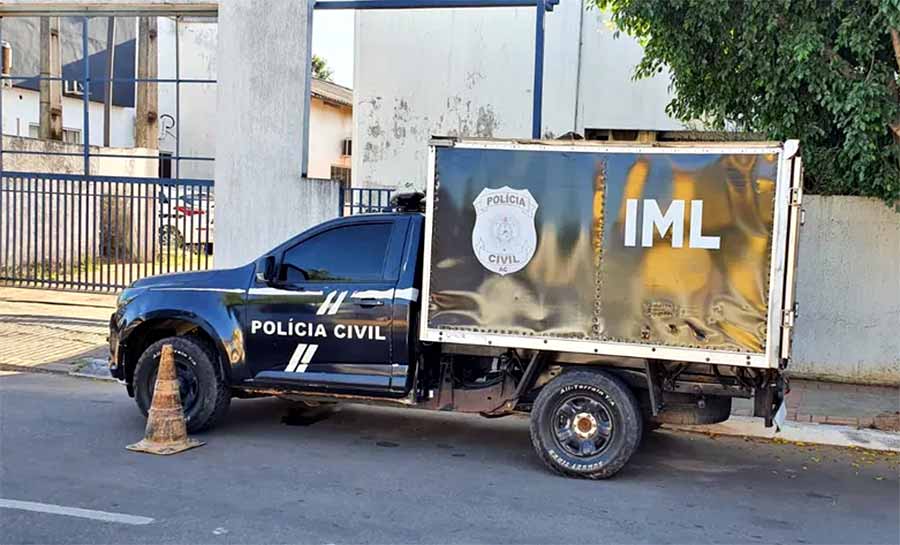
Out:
{"x": 368, "y": 475}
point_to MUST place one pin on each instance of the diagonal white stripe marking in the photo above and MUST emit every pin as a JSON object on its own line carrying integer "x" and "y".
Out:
{"x": 307, "y": 357}
{"x": 337, "y": 304}
{"x": 324, "y": 306}
{"x": 105, "y": 516}
{"x": 310, "y": 352}
{"x": 295, "y": 359}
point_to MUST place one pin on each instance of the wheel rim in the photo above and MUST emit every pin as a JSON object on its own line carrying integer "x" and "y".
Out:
{"x": 188, "y": 385}
{"x": 582, "y": 426}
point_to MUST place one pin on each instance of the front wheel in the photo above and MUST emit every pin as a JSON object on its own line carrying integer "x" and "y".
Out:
{"x": 586, "y": 424}
{"x": 204, "y": 395}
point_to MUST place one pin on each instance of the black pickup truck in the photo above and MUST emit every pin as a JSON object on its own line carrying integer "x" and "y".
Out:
{"x": 496, "y": 300}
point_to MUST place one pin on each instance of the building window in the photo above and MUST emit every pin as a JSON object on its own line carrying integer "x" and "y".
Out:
{"x": 341, "y": 174}
{"x": 165, "y": 164}
{"x": 347, "y": 146}
{"x": 70, "y": 136}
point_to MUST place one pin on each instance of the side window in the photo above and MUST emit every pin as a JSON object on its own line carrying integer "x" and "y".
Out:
{"x": 354, "y": 253}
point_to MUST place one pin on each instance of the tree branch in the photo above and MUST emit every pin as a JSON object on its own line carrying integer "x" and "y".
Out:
{"x": 895, "y": 39}
{"x": 843, "y": 65}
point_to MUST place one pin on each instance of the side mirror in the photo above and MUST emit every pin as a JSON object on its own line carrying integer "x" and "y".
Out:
{"x": 265, "y": 270}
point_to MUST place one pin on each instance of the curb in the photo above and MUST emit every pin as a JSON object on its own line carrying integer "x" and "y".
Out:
{"x": 800, "y": 432}
{"x": 92, "y": 376}
{"x": 95, "y": 368}
{"x": 60, "y": 369}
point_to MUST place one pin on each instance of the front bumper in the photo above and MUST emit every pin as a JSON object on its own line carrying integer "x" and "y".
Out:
{"x": 116, "y": 369}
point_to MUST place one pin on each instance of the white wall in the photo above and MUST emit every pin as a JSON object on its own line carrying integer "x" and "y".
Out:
{"x": 197, "y": 43}
{"x": 608, "y": 96}
{"x": 22, "y": 106}
{"x": 848, "y": 290}
{"x": 260, "y": 131}
{"x": 329, "y": 125}
{"x": 469, "y": 72}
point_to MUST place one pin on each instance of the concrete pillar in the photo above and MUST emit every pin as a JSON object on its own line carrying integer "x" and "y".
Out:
{"x": 262, "y": 198}
{"x": 51, "y": 123}
{"x": 146, "y": 119}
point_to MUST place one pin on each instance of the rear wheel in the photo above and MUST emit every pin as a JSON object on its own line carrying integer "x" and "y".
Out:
{"x": 586, "y": 424}
{"x": 204, "y": 395}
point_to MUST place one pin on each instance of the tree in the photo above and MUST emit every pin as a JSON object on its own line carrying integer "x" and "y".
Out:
{"x": 823, "y": 71}
{"x": 320, "y": 68}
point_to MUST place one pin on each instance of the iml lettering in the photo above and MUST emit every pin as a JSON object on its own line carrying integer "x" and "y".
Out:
{"x": 673, "y": 218}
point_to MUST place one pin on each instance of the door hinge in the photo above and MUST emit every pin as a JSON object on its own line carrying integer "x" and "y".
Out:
{"x": 789, "y": 316}
{"x": 796, "y": 196}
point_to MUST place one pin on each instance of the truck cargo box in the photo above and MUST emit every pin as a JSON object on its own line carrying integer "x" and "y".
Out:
{"x": 667, "y": 252}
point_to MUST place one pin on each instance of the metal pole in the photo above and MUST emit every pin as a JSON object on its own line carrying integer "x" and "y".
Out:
{"x": 110, "y": 68}
{"x": 86, "y": 83}
{"x": 424, "y": 4}
{"x": 2, "y": 85}
{"x": 177, "y": 102}
{"x": 576, "y": 122}
{"x": 304, "y": 157}
{"x": 538, "y": 94}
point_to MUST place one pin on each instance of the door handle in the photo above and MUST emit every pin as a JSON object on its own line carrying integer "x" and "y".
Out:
{"x": 370, "y": 302}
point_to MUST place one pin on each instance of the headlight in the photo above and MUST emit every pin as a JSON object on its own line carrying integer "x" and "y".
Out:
{"x": 128, "y": 295}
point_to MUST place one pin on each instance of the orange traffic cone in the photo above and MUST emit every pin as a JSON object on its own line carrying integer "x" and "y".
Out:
{"x": 166, "y": 431}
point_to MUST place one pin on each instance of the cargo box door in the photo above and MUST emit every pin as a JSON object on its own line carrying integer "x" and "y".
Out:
{"x": 795, "y": 220}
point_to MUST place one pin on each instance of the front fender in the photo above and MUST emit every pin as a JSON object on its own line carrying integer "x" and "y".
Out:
{"x": 217, "y": 313}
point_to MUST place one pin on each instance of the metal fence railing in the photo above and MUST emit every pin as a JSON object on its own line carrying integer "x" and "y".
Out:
{"x": 357, "y": 200}
{"x": 100, "y": 233}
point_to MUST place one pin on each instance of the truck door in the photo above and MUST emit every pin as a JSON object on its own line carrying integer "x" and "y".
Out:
{"x": 327, "y": 322}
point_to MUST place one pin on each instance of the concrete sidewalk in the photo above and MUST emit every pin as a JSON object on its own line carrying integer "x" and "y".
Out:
{"x": 64, "y": 332}
{"x": 52, "y": 330}
{"x": 837, "y": 404}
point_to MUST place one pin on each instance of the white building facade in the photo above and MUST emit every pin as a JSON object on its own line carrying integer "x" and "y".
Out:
{"x": 469, "y": 72}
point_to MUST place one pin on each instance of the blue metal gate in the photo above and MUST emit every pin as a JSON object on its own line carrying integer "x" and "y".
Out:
{"x": 101, "y": 233}
{"x": 361, "y": 200}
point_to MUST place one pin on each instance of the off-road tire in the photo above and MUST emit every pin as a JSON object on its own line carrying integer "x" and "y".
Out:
{"x": 213, "y": 395}
{"x": 623, "y": 410}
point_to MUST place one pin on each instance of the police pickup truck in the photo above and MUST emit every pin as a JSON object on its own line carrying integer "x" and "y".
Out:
{"x": 603, "y": 289}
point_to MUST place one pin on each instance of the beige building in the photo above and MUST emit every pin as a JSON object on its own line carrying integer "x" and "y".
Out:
{"x": 330, "y": 131}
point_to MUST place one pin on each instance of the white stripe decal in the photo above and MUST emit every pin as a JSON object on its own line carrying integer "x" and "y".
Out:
{"x": 307, "y": 357}
{"x": 52, "y": 509}
{"x": 373, "y": 294}
{"x": 310, "y": 352}
{"x": 337, "y": 304}
{"x": 276, "y": 291}
{"x": 295, "y": 359}
{"x": 324, "y": 306}
{"x": 409, "y": 294}
{"x": 223, "y": 290}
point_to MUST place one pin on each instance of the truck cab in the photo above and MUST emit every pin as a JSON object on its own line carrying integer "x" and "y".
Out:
{"x": 331, "y": 309}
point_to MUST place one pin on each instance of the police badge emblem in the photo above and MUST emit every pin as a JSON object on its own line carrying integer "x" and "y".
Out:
{"x": 504, "y": 237}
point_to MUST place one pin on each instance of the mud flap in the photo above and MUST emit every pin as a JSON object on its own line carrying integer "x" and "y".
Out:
{"x": 780, "y": 415}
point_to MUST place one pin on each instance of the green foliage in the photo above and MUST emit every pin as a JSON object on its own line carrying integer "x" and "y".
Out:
{"x": 823, "y": 71}
{"x": 320, "y": 68}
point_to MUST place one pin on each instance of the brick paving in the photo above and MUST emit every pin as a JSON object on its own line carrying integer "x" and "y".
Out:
{"x": 44, "y": 327}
